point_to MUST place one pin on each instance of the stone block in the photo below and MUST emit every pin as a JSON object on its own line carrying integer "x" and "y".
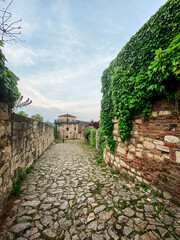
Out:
{"x": 138, "y": 121}
{"x": 131, "y": 148}
{"x": 178, "y": 156}
{"x": 130, "y": 156}
{"x": 157, "y": 157}
{"x": 123, "y": 163}
{"x": 171, "y": 139}
{"x": 148, "y": 139}
{"x": 164, "y": 113}
{"x": 163, "y": 148}
{"x": 135, "y": 133}
{"x": 167, "y": 195}
{"x": 158, "y": 142}
{"x": 149, "y": 145}
{"x": 139, "y": 154}
{"x": 150, "y": 155}
{"x": 115, "y": 131}
{"x": 131, "y": 174}
{"x": 154, "y": 114}
{"x": 133, "y": 170}
{"x": 121, "y": 150}
{"x": 140, "y": 145}
{"x": 139, "y": 178}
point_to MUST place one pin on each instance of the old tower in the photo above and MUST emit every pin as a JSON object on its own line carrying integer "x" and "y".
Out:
{"x": 67, "y": 126}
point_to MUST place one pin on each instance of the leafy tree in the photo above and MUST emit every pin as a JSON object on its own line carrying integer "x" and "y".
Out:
{"x": 94, "y": 124}
{"x": 37, "y": 117}
{"x": 22, "y": 113}
{"x": 49, "y": 123}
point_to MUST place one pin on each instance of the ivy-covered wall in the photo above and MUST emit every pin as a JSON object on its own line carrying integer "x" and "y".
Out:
{"x": 147, "y": 68}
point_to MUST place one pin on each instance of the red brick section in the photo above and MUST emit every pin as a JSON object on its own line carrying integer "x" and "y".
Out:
{"x": 152, "y": 155}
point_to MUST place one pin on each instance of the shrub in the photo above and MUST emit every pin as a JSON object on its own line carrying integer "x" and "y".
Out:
{"x": 86, "y": 133}
{"x": 92, "y": 137}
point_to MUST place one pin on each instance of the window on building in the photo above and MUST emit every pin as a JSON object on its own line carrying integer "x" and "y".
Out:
{"x": 67, "y": 129}
{"x": 75, "y": 128}
{"x": 66, "y": 136}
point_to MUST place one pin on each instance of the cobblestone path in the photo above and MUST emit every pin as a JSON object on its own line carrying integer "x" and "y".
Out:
{"x": 69, "y": 196}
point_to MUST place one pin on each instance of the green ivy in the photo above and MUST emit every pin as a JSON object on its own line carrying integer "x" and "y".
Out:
{"x": 8, "y": 82}
{"x": 101, "y": 142}
{"x": 146, "y": 68}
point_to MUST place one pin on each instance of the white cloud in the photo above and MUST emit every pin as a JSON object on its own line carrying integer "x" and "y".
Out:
{"x": 19, "y": 55}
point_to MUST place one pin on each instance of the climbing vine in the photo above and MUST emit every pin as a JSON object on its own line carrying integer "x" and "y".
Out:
{"x": 8, "y": 82}
{"x": 147, "y": 67}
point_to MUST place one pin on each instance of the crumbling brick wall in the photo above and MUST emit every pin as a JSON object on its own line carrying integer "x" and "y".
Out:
{"x": 152, "y": 154}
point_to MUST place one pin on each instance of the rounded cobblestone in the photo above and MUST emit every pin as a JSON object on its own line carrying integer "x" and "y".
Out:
{"x": 69, "y": 196}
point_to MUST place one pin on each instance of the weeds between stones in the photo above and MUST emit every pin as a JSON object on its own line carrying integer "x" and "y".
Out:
{"x": 21, "y": 176}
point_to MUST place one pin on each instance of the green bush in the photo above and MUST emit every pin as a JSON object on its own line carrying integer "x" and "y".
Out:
{"x": 146, "y": 68}
{"x": 92, "y": 137}
{"x": 86, "y": 132}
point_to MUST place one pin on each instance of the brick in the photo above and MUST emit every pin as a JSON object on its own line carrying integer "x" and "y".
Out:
{"x": 171, "y": 139}
{"x": 170, "y": 144}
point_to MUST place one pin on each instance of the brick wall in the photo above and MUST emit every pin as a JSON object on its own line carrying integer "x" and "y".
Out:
{"x": 22, "y": 140}
{"x": 152, "y": 154}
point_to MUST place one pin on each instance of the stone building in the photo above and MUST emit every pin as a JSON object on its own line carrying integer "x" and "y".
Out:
{"x": 67, "y": 126}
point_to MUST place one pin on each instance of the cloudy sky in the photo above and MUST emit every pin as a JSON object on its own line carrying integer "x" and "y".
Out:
{"x": 68, "y": 44}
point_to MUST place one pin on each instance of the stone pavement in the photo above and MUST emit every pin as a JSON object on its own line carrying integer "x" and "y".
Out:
{"x": 69, "y": 196}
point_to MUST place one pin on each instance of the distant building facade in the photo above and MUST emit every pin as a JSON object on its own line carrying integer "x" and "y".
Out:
{"x": 67, "y": 126}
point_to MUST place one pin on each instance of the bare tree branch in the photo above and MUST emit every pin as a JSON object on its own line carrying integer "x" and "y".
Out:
{"x": 19, "y": 103}
{"x": 7, "y": 27}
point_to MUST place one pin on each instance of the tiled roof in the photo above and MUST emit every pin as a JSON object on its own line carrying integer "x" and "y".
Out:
{"x": 66, "y": 115}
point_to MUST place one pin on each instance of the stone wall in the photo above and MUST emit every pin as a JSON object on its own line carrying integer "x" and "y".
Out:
{"x": 5, "y": 153}
{"x": 29, "y": 139}
{"x": 152, "y": 155}
{"x": 22, "y": 140}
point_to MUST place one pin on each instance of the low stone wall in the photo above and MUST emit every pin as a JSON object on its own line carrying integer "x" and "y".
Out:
{"x": 29, "y": 139}
{"x": 5, "y": 153}
{"x": 152, "y": 155}
{"x": 22, "y": 140}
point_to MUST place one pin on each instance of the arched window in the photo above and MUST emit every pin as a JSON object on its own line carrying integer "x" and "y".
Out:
{"x": 66, "y": 136}
{"x": 75, "y": 128}
{"x": 67, "y": 129}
